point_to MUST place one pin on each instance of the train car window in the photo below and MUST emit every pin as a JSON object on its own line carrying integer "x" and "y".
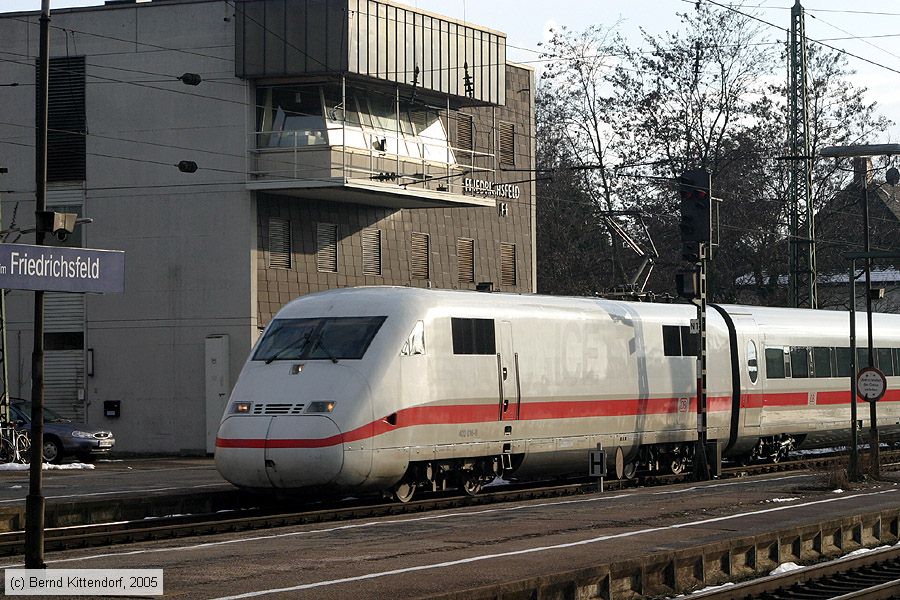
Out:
{"x": 752, "y": 361}
{"x": 885, "y": 362}
{"x": 822, "y": 362}
{"x": 671, "y": 340}
{"x": 896, "y": 352}
{"x": 799, "y": 362}
{"x": 862, "y": 358}
{"x": 842, "y": 362}
{"x": 473, "y": 336}
{"x": 690, "y": 342}
{"x": 775, "y": 363}
{"x": 415, "y": 343}
{"x": 331, "y": 338}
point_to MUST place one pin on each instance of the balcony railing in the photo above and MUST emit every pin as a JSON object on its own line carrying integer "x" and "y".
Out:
{"x": 319, "y": 158}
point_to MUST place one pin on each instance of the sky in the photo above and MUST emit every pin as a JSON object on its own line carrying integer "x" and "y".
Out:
{"x": 868, "y": 29}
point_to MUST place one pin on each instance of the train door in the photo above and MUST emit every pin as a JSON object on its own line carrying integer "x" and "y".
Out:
{"x": 750, "y": 355}
{"x": 508, "y": 374}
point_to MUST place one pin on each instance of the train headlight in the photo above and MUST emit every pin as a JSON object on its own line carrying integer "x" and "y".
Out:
{"x": 320, "y": 407}
{"x": 241, "y": 408}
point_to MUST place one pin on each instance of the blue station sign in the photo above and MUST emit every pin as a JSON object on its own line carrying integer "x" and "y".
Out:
{"x": 61, "y": 269}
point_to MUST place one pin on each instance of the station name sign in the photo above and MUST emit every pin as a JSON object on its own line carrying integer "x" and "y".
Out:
{"x": 482, "y": 187}
{"x": 60, "y": 269}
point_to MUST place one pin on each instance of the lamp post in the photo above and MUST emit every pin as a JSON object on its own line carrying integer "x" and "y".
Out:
{"x": 864, "y": 150}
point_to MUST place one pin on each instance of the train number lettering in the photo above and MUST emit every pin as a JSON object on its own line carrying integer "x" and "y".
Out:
{"x": 468, "y": 433}
{"x": 683, "y": 404}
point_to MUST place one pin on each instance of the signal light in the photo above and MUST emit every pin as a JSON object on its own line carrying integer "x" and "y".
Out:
{"x": 696, "y": 211}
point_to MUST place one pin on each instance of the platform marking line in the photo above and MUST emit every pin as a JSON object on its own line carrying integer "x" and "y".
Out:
{"x": 164, "y": 489}
{"x": 694, "y": 488}
{"x": 374, "y": 524}
{"x": 474, "y": 559}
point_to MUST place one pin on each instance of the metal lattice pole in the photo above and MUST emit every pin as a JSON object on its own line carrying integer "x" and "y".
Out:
{"x": 802, "y": 234}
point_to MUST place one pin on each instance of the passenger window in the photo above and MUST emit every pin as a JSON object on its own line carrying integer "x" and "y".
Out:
{"x": 415, "y": 343}
{"x": 799, "y": 362}
{"x": 775, "y": 363}
{"x": 752, "y": 361}
{"x": 885, "y": 363}
{"x": 842, "y": 362}
{"x": 862, "y": 358}
{"x": 671, "y": 340}
{"x": 473, "y": 336}
{"x": 822, "y": 362}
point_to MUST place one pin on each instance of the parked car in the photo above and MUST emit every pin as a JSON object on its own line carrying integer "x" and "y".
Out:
{"x": 62, "y": 437}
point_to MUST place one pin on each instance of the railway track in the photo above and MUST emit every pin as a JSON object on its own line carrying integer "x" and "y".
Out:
{"x": 107, "y": 534}
{"x": 871, "y": 576}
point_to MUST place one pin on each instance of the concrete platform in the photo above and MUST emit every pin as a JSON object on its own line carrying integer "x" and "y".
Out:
{"x": 114, "y": 490}
{"x": 514, "y": 550}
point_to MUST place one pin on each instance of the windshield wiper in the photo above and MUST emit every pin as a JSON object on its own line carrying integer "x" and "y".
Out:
{"x": 284, "y": 350}
{"x": 320, "y": 344}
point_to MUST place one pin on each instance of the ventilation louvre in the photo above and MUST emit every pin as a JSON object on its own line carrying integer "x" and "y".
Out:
{"x": 326, "y": 247}
{"x": 507, "y": 265}
{"x": 371, "y": 251}
{"x": 465, "y": 252}
{"x": 418, "y": 257}
{"x": 279, "y": 243}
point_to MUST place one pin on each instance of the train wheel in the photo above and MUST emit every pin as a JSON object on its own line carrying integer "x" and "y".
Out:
{"x": 678, "y": 465}
{"x": 405, "y": 491}
{"x": 471, "y": 485}
{"x": 629, "y": 471}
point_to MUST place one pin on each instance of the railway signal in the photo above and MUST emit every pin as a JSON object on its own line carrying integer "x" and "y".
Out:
{"x": 696, "y": 211}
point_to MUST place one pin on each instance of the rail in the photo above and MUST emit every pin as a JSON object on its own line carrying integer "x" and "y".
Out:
{"x": 104, "y": 534}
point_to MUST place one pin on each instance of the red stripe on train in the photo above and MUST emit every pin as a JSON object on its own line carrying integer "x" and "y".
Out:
{"x": 537, "y": 411}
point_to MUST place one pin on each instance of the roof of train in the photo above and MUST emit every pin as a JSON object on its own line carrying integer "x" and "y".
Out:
{"x": 381, "y": 298}
{"x": 384, "y": 300}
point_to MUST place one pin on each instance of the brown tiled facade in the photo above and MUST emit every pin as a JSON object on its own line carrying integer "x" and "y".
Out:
{"x": 511, "y": 222}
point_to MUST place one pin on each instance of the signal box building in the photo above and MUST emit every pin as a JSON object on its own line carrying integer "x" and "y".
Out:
{"x": 336, "y": 143}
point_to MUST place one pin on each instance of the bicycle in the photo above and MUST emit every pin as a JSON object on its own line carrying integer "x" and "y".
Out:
{"x": 14, "y": 444}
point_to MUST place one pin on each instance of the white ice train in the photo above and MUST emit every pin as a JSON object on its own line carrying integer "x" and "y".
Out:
{"x": 398, "y": 389}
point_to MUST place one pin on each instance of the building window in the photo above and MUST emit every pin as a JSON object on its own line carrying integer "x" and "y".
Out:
{"x": 371, "y": 251}
{"x": 326, "y": 247}
{"x": 279, "y": 243}
{"x": 418, "y": 256}
{"x": 473, "y": 336}
{"x": 507, "y": 265}
{"x": 507, "y": 147}
{"x": 66, "y": 121}
{"x": 464, "y": 130}
{"x": 465, "y": 253}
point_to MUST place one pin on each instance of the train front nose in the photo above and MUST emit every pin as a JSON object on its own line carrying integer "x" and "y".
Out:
{"x": 289, "y": 452}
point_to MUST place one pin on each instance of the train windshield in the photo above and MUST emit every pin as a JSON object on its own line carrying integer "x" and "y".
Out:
{"x": 330, "y": 338}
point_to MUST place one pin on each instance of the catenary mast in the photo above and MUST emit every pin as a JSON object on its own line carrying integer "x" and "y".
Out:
{"x": 802, "y": 226}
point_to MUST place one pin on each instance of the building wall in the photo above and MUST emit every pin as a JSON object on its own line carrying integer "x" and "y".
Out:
{"x": 486, "y": 226}
{"x": 189, "y": 239}
{"x": 196, "y": 244}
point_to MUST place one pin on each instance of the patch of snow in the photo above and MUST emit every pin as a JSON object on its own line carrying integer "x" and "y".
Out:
{"x": 712, "y": 588}
{"x": 497, "y": 481}
{"x": 838, "y": 491}
{"x": 865, "y": 551}
{"x": 110, "y": 460}
{"x": 785, "y": 568}
{"x": 165, "y": 517}
{"x": 15, "y": 487}
{"x": 46, "y": 467}
{"x": 782, "y": 499}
